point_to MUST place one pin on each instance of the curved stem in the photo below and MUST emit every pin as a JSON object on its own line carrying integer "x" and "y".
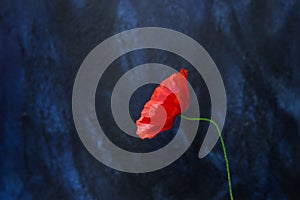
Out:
{"x": 223, "y": 146}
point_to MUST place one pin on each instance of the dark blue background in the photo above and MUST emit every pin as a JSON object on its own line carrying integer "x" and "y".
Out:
{"x": 256, "y": 46}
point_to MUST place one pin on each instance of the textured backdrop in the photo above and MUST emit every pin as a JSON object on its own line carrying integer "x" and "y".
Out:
{"x": 256, "y": 46}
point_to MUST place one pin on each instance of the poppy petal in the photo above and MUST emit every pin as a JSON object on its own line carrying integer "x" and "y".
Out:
{"x": 169, "y": 99}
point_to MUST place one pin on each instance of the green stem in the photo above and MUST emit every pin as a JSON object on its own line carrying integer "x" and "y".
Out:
{"x": 223, "y": 146}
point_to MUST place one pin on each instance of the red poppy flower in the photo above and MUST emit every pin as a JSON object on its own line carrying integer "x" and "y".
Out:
{"x": 169, "y": 99}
